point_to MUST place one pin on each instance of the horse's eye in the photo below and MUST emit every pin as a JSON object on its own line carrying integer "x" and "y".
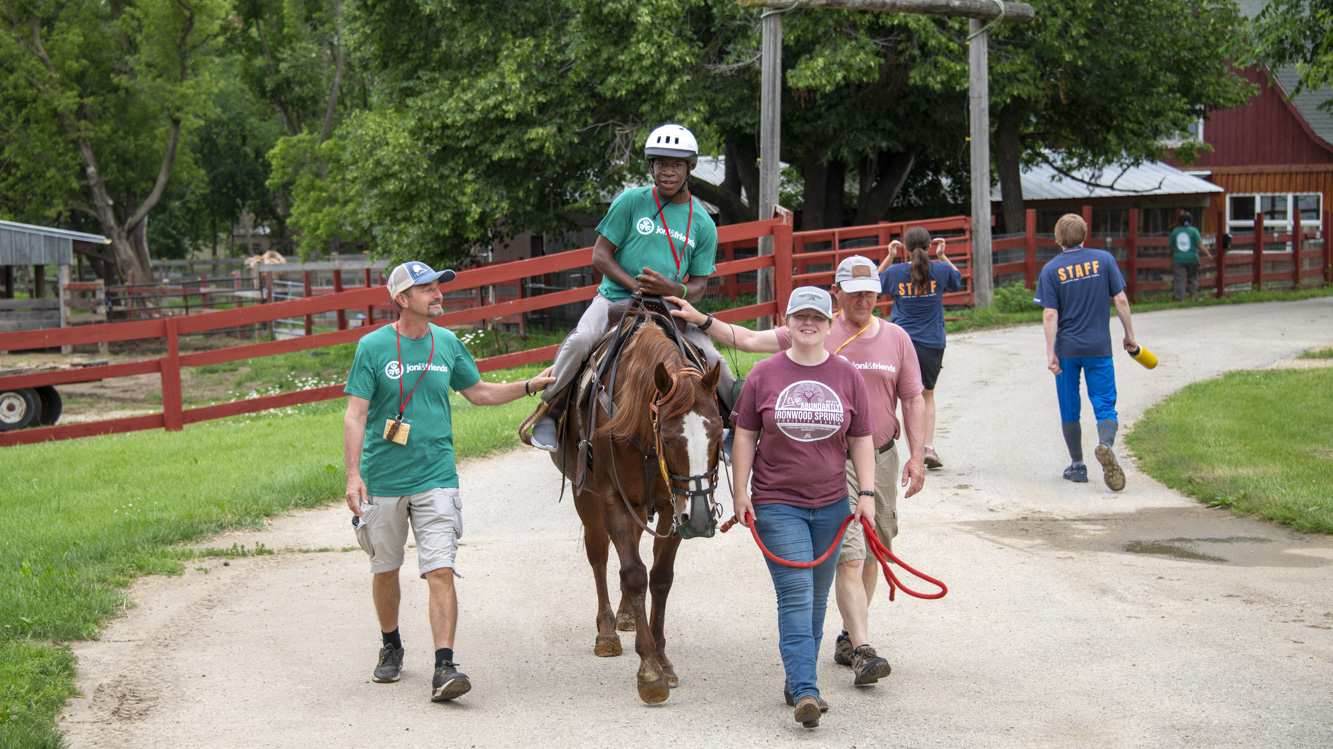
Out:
{"x": 666, "y": 442}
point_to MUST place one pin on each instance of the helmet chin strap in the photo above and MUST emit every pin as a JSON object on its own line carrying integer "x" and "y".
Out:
{"x": 684, "y": 186}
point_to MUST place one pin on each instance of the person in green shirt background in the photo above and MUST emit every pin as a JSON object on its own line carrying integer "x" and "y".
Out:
{"x": 1186, "y": 243}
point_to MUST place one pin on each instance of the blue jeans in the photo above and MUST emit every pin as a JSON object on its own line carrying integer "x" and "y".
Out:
{"x": 799, "y": 534}
{"x": 1100, "y": 375}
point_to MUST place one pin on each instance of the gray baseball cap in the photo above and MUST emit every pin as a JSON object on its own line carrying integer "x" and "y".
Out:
{"x": 811, "y": 297}
{"x": 414, "y": 273}
{"x": 857, "y": 273}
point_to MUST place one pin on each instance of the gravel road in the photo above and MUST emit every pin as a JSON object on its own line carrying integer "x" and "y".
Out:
{"x": 1075, "y": 617}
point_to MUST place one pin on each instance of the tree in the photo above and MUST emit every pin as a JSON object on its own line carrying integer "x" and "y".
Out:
{"x": 1295, "y": 32}
{"x": 114, "y": 87}
{"x": 1092, "y": 83}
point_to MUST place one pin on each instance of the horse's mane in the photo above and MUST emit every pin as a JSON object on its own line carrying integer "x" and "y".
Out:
{"x": 634, "y": 377}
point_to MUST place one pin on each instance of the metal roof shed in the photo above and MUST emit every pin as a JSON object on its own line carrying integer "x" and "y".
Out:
{"x": 38, "y": 246}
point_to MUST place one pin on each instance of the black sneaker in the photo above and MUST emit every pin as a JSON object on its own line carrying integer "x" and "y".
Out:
{"x": 868, "y": 666}
{"x": 448, "y": 683}
{"x": 1077, "y": 472}
{"x": 786, "y": 696}
{"x": 391, "y": 663}
{"x": 842, "y": 649}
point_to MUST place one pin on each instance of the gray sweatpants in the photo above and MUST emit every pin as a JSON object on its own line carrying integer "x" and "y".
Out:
{"x": 593, "y": 325}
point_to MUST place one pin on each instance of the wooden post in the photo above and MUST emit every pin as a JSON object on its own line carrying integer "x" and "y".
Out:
{"x": 1030, "y": 246}
{"x": 172, "y": 418}
{"x": 38, "y": 281}
{"x": 770, "y": 146}
{"x": 1220, "y": 256}
{"x": 1328, "y": 246}
{"x": 62, "y": 293}
{"x": 305, "y": 294}
{"x": 782, "y": 264}
{"x": 1132, "y": 256}
{"x": 978, "y": 97}
{"x": 370, "y": 308}
{"x": 1258, "y": 282}
{"x": 337, "y": 288}
{"x": 1087, "y": 219}
{"x": 1296, "y": 250}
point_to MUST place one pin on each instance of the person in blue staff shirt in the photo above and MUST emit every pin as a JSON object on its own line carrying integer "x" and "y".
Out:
{"x": 1077, "y": 288}
{"x": 918, "y": 288}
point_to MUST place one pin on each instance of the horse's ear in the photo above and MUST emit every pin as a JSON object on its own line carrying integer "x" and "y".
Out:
{"x": 710, "y": 379}
{"x": 662, "y": 378}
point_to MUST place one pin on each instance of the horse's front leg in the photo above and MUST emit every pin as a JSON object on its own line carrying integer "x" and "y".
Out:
{"x": 653, "y": 686}
{"x": 596, "y": 543}
{"x": 664, "y": 572}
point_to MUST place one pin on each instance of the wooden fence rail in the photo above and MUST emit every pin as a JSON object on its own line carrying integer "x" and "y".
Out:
{"x": 168, "y": 367}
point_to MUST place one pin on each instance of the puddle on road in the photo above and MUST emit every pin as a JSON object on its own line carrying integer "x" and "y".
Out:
{"x": 1190, "y": 534}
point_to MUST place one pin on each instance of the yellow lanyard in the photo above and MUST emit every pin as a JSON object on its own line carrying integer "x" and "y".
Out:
{"x": 859, "y": 332}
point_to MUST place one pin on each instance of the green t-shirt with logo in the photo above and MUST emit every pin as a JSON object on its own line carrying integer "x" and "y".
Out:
{"x": 427, "y": 460}
{"x": 633, "y": 225}
{"x": 1184, "y": 243}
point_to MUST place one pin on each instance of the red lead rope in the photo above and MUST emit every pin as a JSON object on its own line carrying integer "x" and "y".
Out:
{"x": 872, "y": 541}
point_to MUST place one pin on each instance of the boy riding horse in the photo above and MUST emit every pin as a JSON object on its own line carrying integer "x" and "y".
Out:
{"x": 652, "y": 242}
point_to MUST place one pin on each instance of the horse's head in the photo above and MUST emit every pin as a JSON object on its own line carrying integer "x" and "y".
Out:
{"x": 688, "y": 431}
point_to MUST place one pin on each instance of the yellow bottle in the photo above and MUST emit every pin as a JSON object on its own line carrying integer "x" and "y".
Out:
{"x": 1144, "y": 356}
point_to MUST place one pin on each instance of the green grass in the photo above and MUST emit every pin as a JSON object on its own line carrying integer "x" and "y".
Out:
{"x": 84, "y": 518}
{"x": 1324, "y": 353}
{"x": 1251, "y": 441}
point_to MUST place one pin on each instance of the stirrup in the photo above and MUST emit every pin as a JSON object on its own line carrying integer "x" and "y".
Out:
{"x": 525, "y": 429}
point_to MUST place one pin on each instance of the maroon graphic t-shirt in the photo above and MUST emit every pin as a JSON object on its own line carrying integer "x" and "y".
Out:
{"x": 804, "y": 415}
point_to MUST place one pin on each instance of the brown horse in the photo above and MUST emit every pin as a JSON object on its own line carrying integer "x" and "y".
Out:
{"x": 658, "y": 454}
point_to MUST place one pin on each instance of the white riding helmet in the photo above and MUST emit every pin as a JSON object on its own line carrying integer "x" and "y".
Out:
{"x": 672, "y": 141}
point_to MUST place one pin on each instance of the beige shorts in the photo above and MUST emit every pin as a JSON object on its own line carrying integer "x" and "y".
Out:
{"x": 886, "y": 506}
{"x": 436, "y": 517}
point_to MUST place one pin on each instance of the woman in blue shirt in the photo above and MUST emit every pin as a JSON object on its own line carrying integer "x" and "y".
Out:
{"x": 918, "y": 288}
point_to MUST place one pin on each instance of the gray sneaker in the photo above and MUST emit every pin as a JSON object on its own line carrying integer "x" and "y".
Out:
{"x": 391, "y": 663}
{"x": 868, "y": 666}
{"x": 1111, "y": 471}
{"x": 448, "y": 683}
{"x": 544, "y": 435}
{"x": 842, "y": 649}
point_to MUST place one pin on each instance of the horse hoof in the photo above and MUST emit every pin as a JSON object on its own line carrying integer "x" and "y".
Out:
{"x": 608, "y": 646}
{"x": 654, "y": 692}
{"x": 669, "y": 674}
{"x": 625, "y": 621}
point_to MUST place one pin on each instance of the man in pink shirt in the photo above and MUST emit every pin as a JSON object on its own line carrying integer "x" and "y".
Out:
{"x": 882, "y": 352}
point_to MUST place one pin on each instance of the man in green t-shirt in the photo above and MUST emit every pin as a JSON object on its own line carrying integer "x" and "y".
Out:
{"x": 1186, "y": 243}
{"x": 399, "y": 447}
{"x": 657, "y": 241}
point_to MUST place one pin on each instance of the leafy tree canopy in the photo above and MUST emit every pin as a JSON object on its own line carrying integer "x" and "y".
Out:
{"x": 1295, "y": 32}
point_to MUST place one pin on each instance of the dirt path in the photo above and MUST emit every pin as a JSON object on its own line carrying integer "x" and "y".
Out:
{"x": 1075, "y": 617}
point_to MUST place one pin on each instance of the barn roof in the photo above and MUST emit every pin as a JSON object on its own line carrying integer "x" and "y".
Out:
{"x": 1153, "y": 179}
{"x": 25, "y": 244}
{"x": 1306, "y": 102}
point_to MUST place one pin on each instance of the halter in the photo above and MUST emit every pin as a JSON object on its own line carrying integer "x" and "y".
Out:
{"x": 696, "y": 482}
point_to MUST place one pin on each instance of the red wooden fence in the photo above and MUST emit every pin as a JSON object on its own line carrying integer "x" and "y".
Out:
{"x": 174, "y": 416}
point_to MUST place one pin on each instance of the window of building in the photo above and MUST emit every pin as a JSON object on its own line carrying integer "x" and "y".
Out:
{"x": 1278, "y": 209}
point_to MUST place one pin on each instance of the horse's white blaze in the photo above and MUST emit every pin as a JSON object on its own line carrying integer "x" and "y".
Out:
{"x": 694, "y": 428}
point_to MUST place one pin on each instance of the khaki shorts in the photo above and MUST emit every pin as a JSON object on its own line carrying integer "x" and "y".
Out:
{"x": 436, "y": 517}
{"x": 886, "y": 506}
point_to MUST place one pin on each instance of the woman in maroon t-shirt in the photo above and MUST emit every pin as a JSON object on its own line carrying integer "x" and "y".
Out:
{"x": 813, "y": 410}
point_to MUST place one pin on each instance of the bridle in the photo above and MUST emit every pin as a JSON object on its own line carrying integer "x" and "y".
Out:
{"x": 693, "y": 521}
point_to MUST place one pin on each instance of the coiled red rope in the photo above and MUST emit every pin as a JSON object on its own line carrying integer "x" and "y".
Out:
{"x": 877, "y": 548}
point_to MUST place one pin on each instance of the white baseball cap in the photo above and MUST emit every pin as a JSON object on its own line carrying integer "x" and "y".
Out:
{"x": 415, "y": 273}
{"x": 857, "y": 273}
{"x": 811, "y": 297}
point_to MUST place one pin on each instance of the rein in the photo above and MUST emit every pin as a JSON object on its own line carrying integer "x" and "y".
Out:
{"x": 877, "y": 548}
